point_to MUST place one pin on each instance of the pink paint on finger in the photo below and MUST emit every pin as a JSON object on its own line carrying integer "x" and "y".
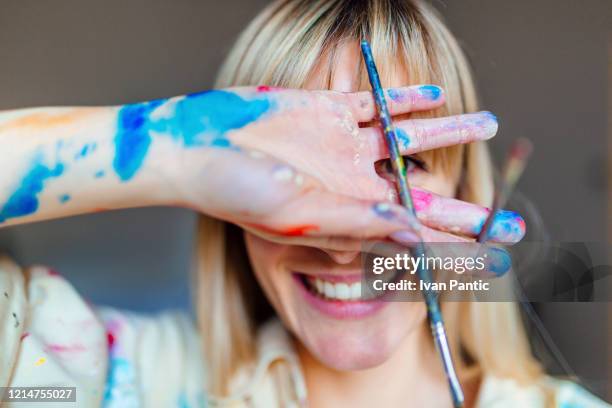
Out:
{"x": 462, "y": 218}
{"x": 421, "y": 199}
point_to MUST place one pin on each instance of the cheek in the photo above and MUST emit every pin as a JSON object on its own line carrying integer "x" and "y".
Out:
{"x": 266, "y": 259}
{"x": 261, "y": 251}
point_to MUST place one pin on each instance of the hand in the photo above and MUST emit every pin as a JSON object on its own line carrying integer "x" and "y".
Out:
{"x": 296, "y": 165}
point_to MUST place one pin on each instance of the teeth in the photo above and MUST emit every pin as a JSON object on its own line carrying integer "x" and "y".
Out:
{"x": 329, "y": 290}
{"x": 342, "y": 291}
{"x": 319, "y": 285}
{"x": 339, "y": 291}
{"x": 355, "y": 290}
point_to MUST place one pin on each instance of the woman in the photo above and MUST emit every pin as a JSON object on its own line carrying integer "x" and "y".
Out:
{"x": 290, "y": 183}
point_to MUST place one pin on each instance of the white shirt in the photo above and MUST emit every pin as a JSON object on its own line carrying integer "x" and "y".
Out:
{"x": 49, "y": 336}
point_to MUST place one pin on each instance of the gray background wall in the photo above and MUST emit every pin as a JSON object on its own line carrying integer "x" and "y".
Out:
{"x": 541, "y": 67}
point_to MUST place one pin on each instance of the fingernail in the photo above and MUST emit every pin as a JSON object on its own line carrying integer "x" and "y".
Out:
{"x": 405, "y": 237}
{"x": 431, "y": 92}
{"x": 500, "y": 261}
{"x": 388, "y": 212}
{"x": 384, "y": 210}
{"x": 508, "y": 226}
{"x": 490, "y": 124}
{"x": 491, "y": 115}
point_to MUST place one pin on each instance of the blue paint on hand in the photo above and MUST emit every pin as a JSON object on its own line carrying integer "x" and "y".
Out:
{"x": 86, "y": 151}
{"x": 24, "y": 201}
{"x": 64, "y": 198}
{"x": 402, "y": 138}
{"x": 431, "y": 92}
{"x": 99, "y": 174}
{"x": 203, "y": 119}
{"x": 196, "y": 120}
{"x": 397, "y": 95}
{"x": 132, "y": 140}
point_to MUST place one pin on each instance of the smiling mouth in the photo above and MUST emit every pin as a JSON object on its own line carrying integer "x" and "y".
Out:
{"x": 328, "y": 290}
{"x": 338, "y": 288}
{"x": 344, "y": 289}
{"x": 338, "y": 297}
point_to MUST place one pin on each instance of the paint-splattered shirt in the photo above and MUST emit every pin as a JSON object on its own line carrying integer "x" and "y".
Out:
{"x": 49, "y": 336}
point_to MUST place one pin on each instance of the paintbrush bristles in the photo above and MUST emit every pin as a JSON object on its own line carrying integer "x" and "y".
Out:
{"x": 513, "y": 169}
{"x": 517, "y": 160}
{"x": 521, "y": 148}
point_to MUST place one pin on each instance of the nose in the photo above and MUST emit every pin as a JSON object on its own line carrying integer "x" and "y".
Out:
{"x": 341, "y": 257}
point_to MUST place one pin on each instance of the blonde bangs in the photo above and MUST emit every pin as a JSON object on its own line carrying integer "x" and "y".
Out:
{"x": 274, "y": 52}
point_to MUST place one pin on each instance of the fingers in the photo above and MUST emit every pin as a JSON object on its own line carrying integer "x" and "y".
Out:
{"x": 417, "y": 135}
{"x": 459, "y": 217}
{"x": 399, "y": 100}
{"x": 432, "y": 235}
{"x": 450, "y": 220}
{"x": 319, "y": 213}
{"x": 273, "y": 198}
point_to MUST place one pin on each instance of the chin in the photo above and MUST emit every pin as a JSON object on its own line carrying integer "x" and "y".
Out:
{"x": 350, "y": 353}
{"x": 359, "y": 344}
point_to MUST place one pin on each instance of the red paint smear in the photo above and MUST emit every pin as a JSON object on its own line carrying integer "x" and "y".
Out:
{"x": 421, "y": 199}
{"x": 295, "y": 231}
{"x": 298, "y": 231}
{"x": 265, "y": 88}
{"x": 24, "y": 335}
{"x": 110, "y": 339}
{"x": 60, "y": 348}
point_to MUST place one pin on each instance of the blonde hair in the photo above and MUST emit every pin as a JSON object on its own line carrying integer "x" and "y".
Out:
{"x": 280, "y": 48}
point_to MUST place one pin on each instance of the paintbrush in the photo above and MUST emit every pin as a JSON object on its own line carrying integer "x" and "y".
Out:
{"x": 515, "y": 164}
{"x": 399, "y": 168}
